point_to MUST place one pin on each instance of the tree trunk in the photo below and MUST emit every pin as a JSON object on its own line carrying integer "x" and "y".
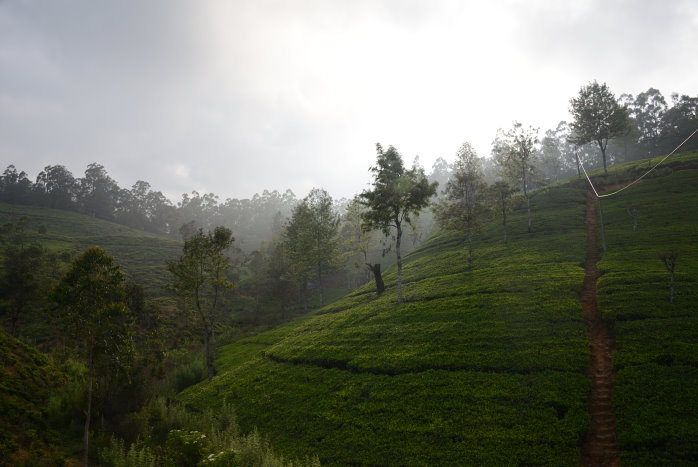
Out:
{"x": 399, "y": 263}
{"x": 376, "y": 270}
{"x": 528, "y": 208}
{"x": 579, "y": 170}
{"x": 470, "y": 247}
{"x": 671, "y": 290}
{"x": 88, "y": 412}
{"x": 319, "y": 279}
{"x": 603, "y": 230}
{"x": 603, "y": 155}
{"x": 209, "y": 360}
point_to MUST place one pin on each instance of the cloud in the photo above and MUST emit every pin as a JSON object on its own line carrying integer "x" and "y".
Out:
{"x": 249, "y": 95}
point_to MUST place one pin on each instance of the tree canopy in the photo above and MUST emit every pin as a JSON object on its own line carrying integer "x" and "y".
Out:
{"x": 397, "y": 196}
{"x": 598, "y": 117}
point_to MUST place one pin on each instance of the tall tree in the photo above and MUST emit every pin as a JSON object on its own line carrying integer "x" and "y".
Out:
{"x": 312, "y": 236}
{"x": 648, "y": 111}
{"x": 199, "y": 277}
{"x": 20, "y": 278}
{"x": 597, "y": 117}
{"x": 58, "y": 186}
{"x": 514, "y": 153}
{"x": 500, "y": 194}
{"x": 463, "y": 205}
{"x": 398, "y": 194}
{"x": 358, "y": 242}
{"x": 90, "y": 298}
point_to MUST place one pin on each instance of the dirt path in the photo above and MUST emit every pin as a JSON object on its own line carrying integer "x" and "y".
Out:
{"x": 601, "y": 447}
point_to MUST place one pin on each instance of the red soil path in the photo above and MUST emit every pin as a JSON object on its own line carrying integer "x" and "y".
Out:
{"x": 601, "y": 447}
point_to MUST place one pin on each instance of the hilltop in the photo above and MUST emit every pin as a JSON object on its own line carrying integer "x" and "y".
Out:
{"x": 488, "y": 365}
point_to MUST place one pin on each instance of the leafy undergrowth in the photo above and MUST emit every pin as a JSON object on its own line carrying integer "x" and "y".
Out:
{"x": 141, "y": 254}
{"x": 655, "y": 396}
{"x": 483, "y": 365}
{"x": 26, "y": 381}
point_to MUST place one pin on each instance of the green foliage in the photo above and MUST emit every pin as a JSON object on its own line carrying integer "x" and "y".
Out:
{"x": 397, "y": 195}
{"x": 21, "y": 274}
{"x": 142, "y": 255}
{"x": 463, "y": 206}
{"x": 597, "y": 117}
{"x": 483, "y": 365}
{"x": 311, "y": 238}
{"x": 28, "y": 380}
{"x": 172, "y": 435}
{"x": 199, "y": 277}
{"x": 90, "y": 302}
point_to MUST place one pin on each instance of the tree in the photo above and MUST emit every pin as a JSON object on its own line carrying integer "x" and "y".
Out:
{"x": 58, "y": 186}
{"x": 90, "y": 299}
{"x": 199, "y": 277}
{"x": 98, "y": 192}
{"x": 648, "y": 111}
{"x": 500, "y": 194}
{"x": 397, "y": 195}
{"x": 463, "y": 206}
{"x": 20, "y": 279}
{"x": 597, "y": 117}
{"x": 356, "y": 240}
{"x": 311, "y": 237}
{"x": 514, "y": 154}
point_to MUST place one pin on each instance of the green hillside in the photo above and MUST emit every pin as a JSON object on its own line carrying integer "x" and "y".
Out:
{"x": 26, "y": 381}
{"x": 656, "y": 387}
{"x": 142, "y": 255}
{"x": 488, "y": 365}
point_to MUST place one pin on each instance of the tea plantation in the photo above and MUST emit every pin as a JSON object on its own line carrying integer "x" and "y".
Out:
{"x": 487, "y": 365}
{"x": 656, "y": 387}
{"x": 481, "y": 365}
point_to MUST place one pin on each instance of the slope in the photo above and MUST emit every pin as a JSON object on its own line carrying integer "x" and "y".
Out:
{"x": 656, "y": 361}
{"x": 26, "y": 381}
{"x": 479, "y": 366}
{"x": 488, "y": 365}
{"x": 141, "y": 254}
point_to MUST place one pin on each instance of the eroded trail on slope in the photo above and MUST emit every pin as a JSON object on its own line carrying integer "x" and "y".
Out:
{"x": 601, "y": 446}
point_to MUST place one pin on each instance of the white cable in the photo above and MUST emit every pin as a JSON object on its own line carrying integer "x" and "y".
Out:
{"x": 641, "y": 177}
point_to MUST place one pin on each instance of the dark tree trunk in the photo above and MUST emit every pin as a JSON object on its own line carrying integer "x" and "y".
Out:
{"x": 579, "y": 170}
{"x": 528, "y": 208}
{"x": 399, "y": 263}
{"x": 88, "y": 412}
{"x": 470, "y": 247}
{"x": 376, "y": 270}
{"x": 319, "y": 279}
{"x": 603, "y": 155}
{"x": 209, "y": 359}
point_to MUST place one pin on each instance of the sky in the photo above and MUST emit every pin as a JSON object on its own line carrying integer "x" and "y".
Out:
{"x": 235, "y": 97}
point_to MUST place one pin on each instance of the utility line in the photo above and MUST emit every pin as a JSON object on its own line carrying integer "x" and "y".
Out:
{"x": 641, "y": 177}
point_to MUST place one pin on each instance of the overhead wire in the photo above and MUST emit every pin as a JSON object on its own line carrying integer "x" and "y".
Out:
{"x": 639, "y": 178}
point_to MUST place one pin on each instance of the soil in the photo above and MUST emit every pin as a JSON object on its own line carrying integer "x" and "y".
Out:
{"x": 601, "y": 446}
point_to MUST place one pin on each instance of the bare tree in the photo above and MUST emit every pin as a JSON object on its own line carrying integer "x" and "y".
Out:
{"x": 669, "y": 260}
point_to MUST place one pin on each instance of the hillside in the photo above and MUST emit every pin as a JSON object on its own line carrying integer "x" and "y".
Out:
{"x": 26, "y": 382}
{"x": 142, "y": 255}
{"x": 489, "y": 365}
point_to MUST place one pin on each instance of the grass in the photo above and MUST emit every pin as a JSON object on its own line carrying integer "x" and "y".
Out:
{"x": 142, "y": 255}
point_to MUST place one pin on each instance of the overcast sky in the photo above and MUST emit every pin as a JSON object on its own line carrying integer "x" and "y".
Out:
{"x": 234, "y": 97}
